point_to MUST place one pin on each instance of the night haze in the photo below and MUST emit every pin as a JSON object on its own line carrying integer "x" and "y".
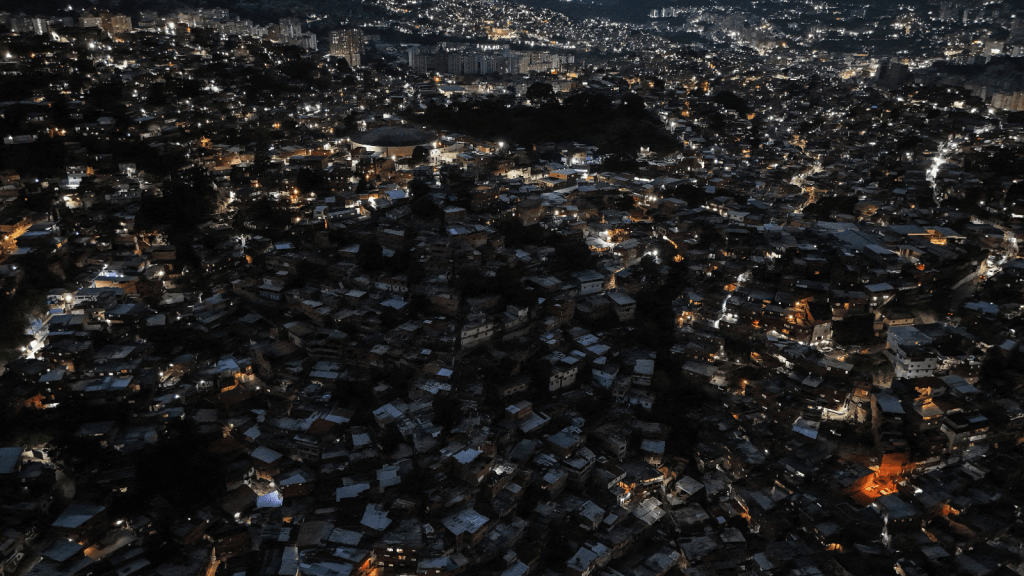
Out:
{"x": 542, "y": 288}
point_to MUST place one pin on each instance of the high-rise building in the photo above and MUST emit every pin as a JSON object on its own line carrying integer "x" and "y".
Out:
{"x": 115, "y": 23}
{"x": 348, "y": 44}
{"x": 290, "y": 28}
{"x": 1008, "y": 101}
{"x": 39, "y": 26}
{"x": 89, "y": 21}
{"x": 893, "y": 74}
{"x": 28, "y": 25}
{"x": 481, "y": 59}
{"x": 1017, "y": 28}
{"x": 947, "y": 11}
{"x": 148, "y": 18}
{"x": 289, "y": 31}
{"x": 306, "y": 40}
{"x": 18, "y": 24}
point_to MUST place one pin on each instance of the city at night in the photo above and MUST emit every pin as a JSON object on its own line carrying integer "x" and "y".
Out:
{"x": 511, "y": 288}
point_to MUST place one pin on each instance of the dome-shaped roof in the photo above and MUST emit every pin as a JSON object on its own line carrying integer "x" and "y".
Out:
{"x": 394, "y": 136}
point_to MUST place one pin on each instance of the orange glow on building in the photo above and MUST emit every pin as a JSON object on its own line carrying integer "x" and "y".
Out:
{"x": 889, "y": 473}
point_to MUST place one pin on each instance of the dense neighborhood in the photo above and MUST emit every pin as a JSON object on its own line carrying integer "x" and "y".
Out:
{"x": 518, "y": 301}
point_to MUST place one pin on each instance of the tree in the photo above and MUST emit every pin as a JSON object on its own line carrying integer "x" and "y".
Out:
{"x": 597, "y": 402}
{"x": 556, "y": 550}
{"x": 508, "y": 282}
{"x": 418, "y": 188}
{"x": 27, "y": 300}
{"x": 424, "y": 207}
{"x": 371, "y": 255}
{"x": 626, "y": 202}
{"x": 391, "y": 438}
{"x": 498, "y": 372}
{"x": 181, "y": 470}
{"x": 573, "y": 255}
{"x": 633, "y": 106}
{"x": 447, "y": 411}
{"x": 309, "y": 180}
{"x": 540, "y": 91}
{"x": 419, "y": 304}
{"x": 620, "y": 163}
{"x": 587, "y": 118}
{"x": 309, "y": 272}
{"x": 649, "y": 267}
{"x": 731, "y": 101}
{"x": 855, "y": 329}
{"x": 420, "y": 154}
{"x": 42, "y": 159}
{"x": 540, "y": 374}
{"x": 516, "y": 235}
{"x": 185, "y": 203}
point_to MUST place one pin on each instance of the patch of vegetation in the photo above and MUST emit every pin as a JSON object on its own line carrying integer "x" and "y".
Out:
{"x": 185, "y": 203}
{"x": 180, "y": 470}
{"x": 587, "y": 118}
{"x": 29, "y": 298}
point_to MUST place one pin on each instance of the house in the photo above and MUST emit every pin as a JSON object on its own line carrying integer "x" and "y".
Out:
{"x": 588, "y": 559}
{"x": 82, "y": 522}
{"x": 879, "y": 294}
{"x": 398, "y": 551}
{"x": 467, "y": 526}
{"x": 623, "y": 305}
{"x": 901, "y": 519}
{"x": 10, "y": 462}
{"x": 563, "y": 373}
{"x": 478, "y": 329}
{"x": 914, "y": 361}
{"x": 375, "y": 519}
{"x": 590, "y": 282}
{"x": 266, "y": 461}
{"x": 910, "y": 353}
{"x": 643, "y": 372}
{"x": 517, "y": 385}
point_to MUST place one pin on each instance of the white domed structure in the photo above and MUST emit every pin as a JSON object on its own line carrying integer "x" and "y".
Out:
{"x": 397, "y": 141}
